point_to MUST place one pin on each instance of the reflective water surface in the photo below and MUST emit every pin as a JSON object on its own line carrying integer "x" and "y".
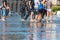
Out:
{"x": 19, "y": 30}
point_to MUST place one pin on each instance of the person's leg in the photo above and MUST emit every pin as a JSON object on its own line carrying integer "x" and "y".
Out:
{"x": 47, "y": 16}
{"x": 44, "y": 13}
{"x": 26, "y": 16}
{"x": 22, "y": 12}
{"x": 31, "y": 16}
{"x": 3, "y": 16}
{"x": 6, "y": 14}
{"x": 36, "y": 17}
{"x": 39, "y": 17}
{"x": 36, "y": 14}
{"x": 50, "y": 16}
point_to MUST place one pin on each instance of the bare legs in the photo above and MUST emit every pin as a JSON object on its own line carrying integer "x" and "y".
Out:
{"x": 50, "y": 16}
{"x": 47, "y": 17}
{"x": 49, "y": 13}
{"x": 38, "y": 17}
{"x": 31, "y": 16}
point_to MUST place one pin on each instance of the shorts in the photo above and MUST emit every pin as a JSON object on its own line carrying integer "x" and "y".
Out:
{"x": 49, "y": 9}
{"x": 42, "y": 11}
{"x": 5, "y": 13}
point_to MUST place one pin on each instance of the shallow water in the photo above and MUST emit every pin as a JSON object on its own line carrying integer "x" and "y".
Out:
{"x": 12, "y": 29}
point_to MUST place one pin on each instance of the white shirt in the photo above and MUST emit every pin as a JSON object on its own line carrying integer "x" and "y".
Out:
{"x": 36, "y": 2}
{"x": 49, "y": 4}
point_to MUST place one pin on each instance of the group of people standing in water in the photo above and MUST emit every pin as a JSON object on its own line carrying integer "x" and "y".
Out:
{"x": 39, "y": 8}
{"x": 36, "y": 10}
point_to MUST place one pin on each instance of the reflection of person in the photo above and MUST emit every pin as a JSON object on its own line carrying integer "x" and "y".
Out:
{"x": 49, "y": 10}
{"x": 40, "y": 24}
{"x": 5, "y": 10}
{"x": 48, "y": 30}
{"x": 30, "y": 35}
{"x": 35, "y": 30}
{"x": 5, "y": 30}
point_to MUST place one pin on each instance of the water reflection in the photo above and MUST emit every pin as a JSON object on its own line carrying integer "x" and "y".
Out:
{"x": 29, "y": 31}
{"x": 51, "y": 31}
{"x": 48, "y": 31}
{"x": 4, "y": 27}
{"x": 36, "y": 32}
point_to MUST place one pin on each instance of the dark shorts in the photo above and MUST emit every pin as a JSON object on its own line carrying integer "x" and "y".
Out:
{"x": 42, "y": 11}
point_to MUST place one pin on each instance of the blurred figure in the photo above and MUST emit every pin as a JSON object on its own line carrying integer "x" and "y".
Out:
{"x": 35, "y": 31}
{"x": 5, "y": 10}
{"x": 36, "y": 3}
{"x": 5, "y": 30}
{"x": 49, "y": 30}
{"x": 49, "y": 10}
{"x": 23, "y": 10}
{"x": 49, "y": 26}
{"x": 28, "y": 9}
{"x": 41, "y": 10}
{"x": 31, "y": 10}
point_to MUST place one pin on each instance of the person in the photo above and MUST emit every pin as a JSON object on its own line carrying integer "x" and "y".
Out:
{"x": 41, "y": 10}
{"x": 49, "y": 10}
{"x": 31, "y": 10}
{"x": 5, "y": 10}
{"x": 23, "y": 10}
{"x": 27, "y": 9}
{"x": 36, "y": 2}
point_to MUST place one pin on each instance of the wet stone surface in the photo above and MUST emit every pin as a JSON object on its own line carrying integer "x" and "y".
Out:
{"x": 15, "y": 29}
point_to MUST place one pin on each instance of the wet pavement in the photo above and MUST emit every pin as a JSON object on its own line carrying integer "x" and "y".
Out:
{"x": 15, "y": 29}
